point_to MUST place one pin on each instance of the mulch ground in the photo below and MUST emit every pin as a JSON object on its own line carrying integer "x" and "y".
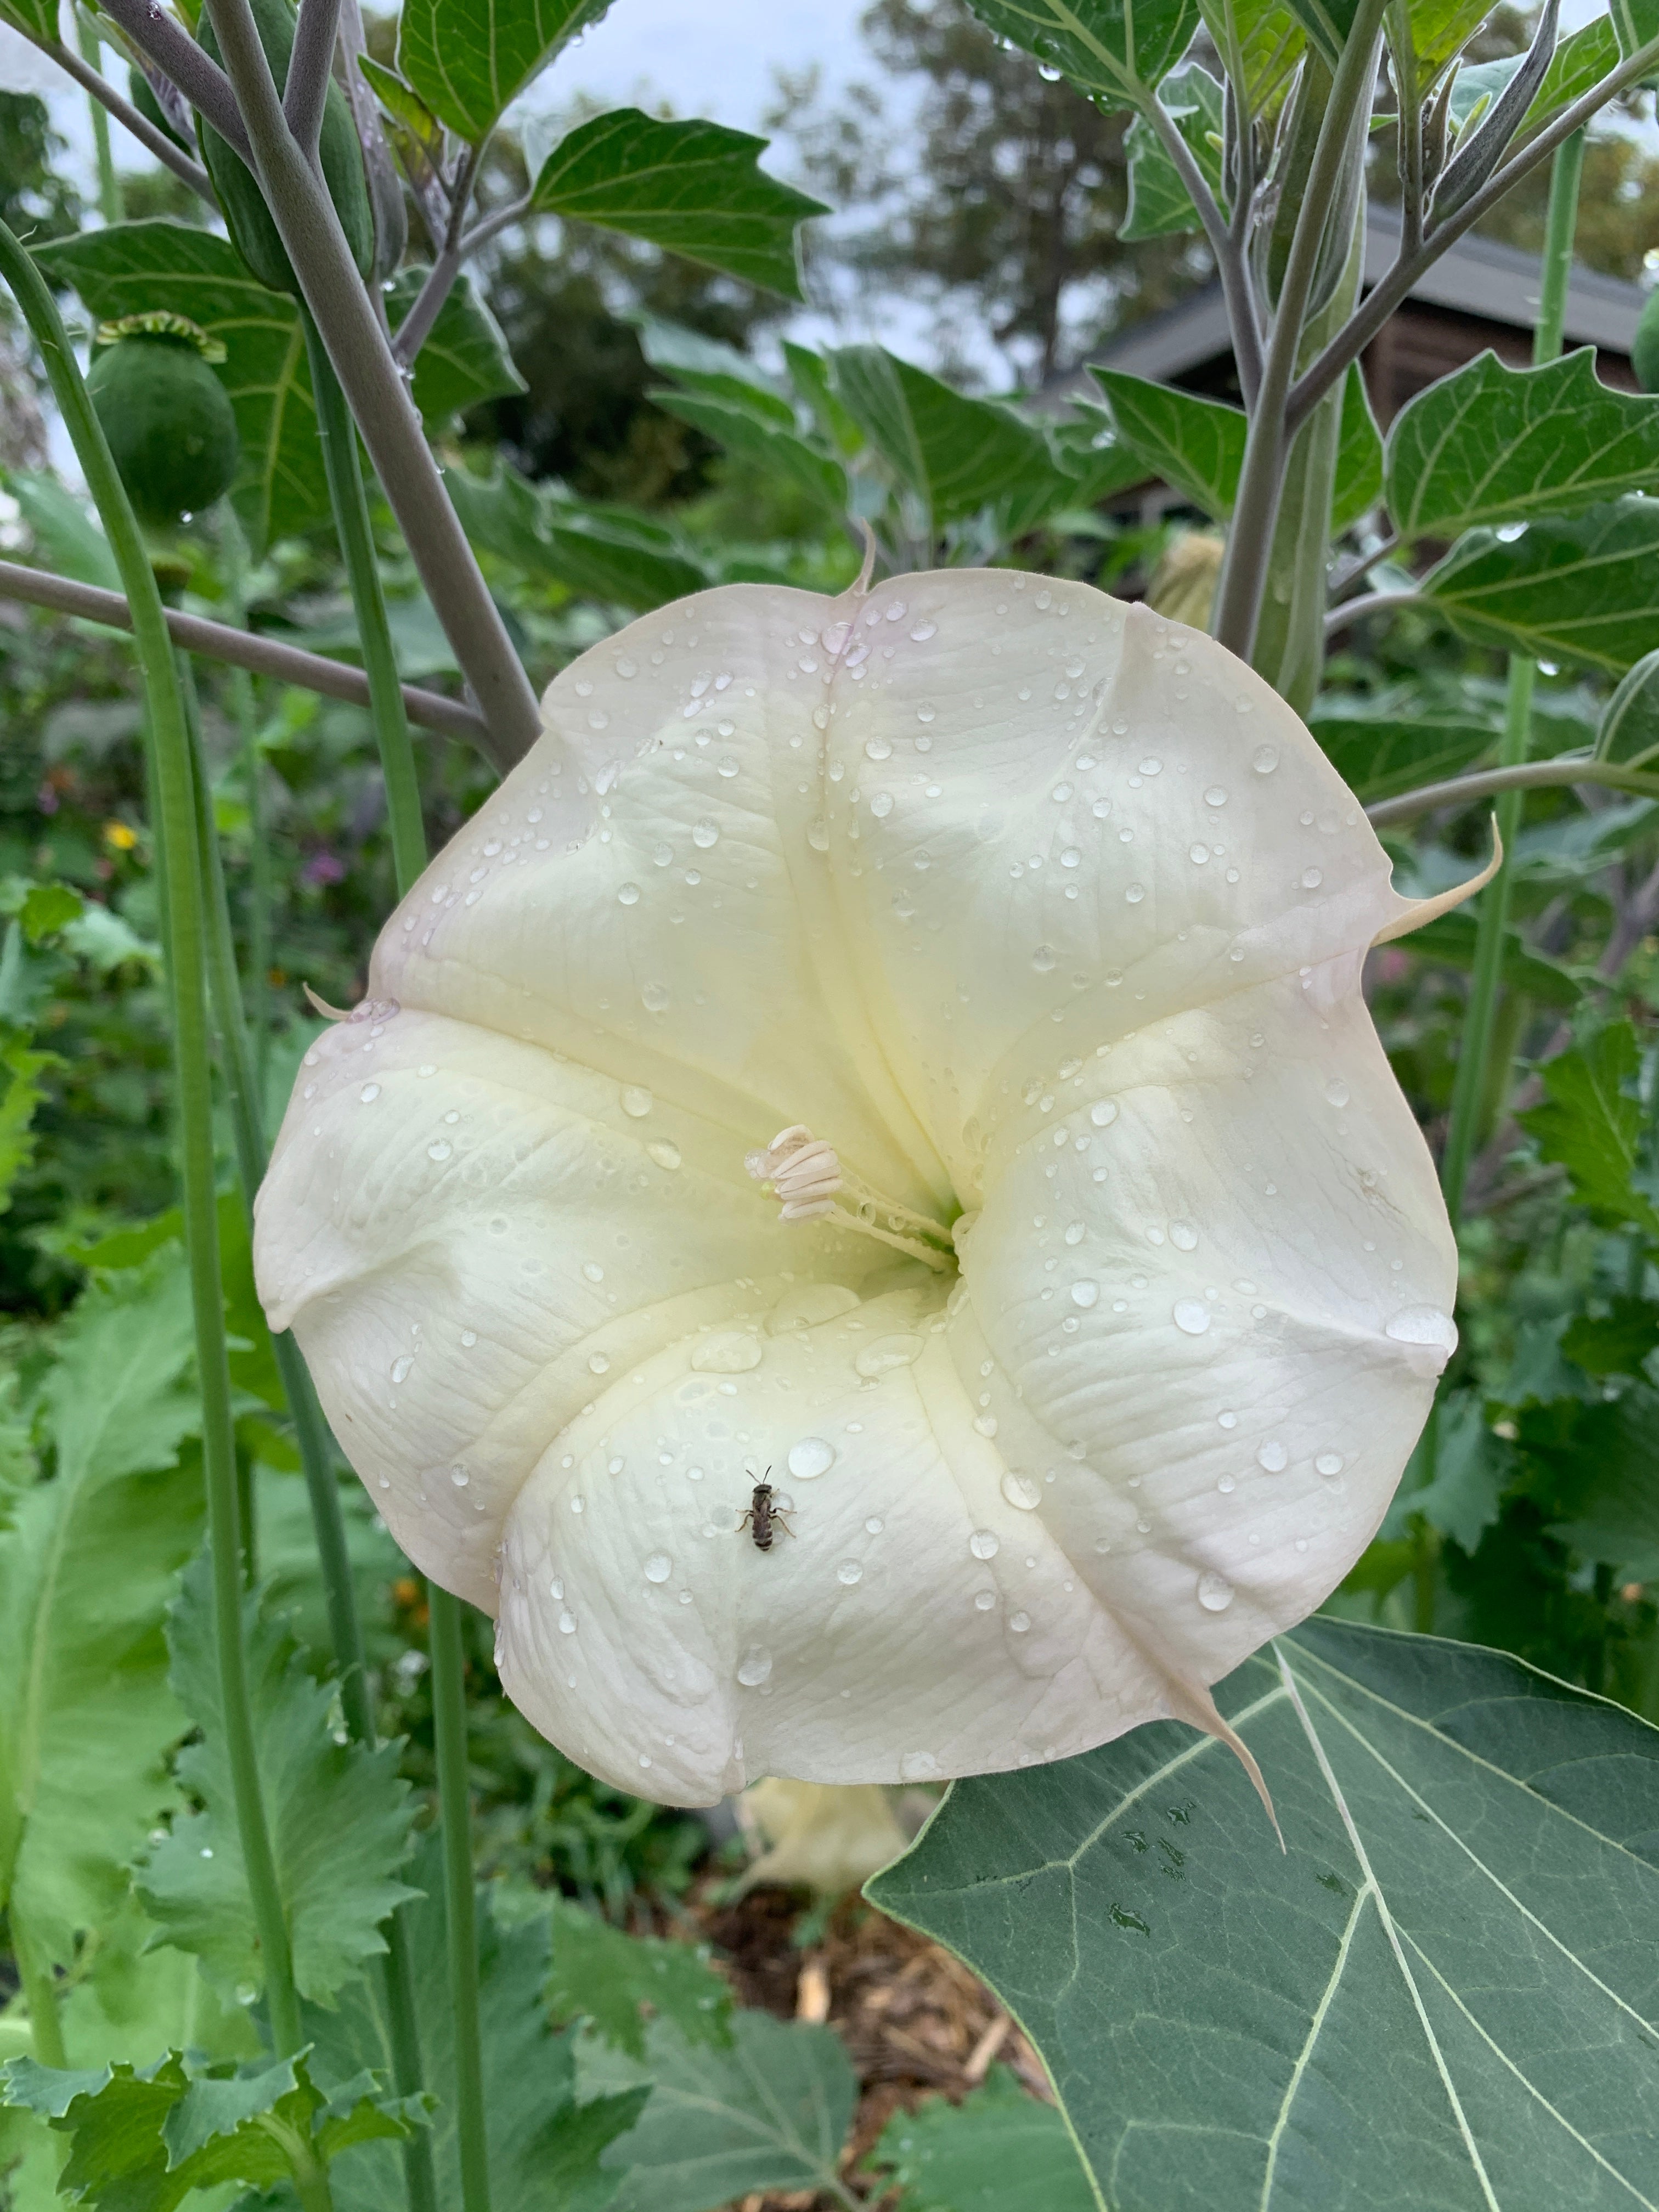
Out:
{"x": 914, "y": 2021}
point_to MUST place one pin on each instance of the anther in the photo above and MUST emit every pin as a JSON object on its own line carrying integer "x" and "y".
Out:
{"x": 802, "y": 1171}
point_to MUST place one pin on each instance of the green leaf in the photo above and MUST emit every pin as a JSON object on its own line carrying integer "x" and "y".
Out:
{"x": 1269, "y": 44}
{"x": 623, "y": 559}
{"x": 1159, "y": 202}
{"x": 740, "y": 427}
{"x": 1492, "y": 444}
{"x": 86, "y": 1573}
{"x": 1630, "y": 725}
{"x": 1439, "y": 30}
{"x": 468, "y": 58}
{"x": 1438, "y": 1994}
{"x": 1471, "y": 1468}
{"x": 544, "y": 2147}
{"x": 1592, "y": 1124}
{"x": 36, "y": 19}
{"x": 20, "y": 1093}
{"x": 1582, "y": 59}
{"x": 339, "y": 1815}
{"x": 1637, "y": 23}
{"x": 1585, "y": 589}
{"x": 1383, "y": 743}
{"x": 696, "y": 188}
{"x": 1195, "y": 444}
{"x": 1114, "y": 51}
{"x": 143, "y": 2138}
{"x": 954, "y": 454}
{"x": 69, "y": 540}
{"x": 1594, "y": 1480}
{"x": 1000, "y": 2150}
{"x": 401, "y": 102}
{"x": 1450, "y": 938}
{"x": 1616, "y": 1342}
{"x": 769, "y": 2113}
{"x": 463, "y": 360}
{"x": 47, "y": 908}
{"x": 606, "y": 1976}
{"x": 809, "y": 373}
{"x": 1358, "y": 481}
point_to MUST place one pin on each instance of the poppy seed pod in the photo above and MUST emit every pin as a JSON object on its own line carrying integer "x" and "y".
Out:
{"x": 907, "y": 1050}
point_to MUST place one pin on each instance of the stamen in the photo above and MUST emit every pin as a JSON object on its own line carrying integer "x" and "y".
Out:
{"x": 806, "y": 1175}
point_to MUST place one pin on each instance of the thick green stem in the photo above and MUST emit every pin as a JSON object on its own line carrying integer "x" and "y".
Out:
{"x": 176, "y": 835}
{"x": 338, "y": 437}
{"x": 109, "y": 191}
{"x": 448, "y": 1687}
{"x": 1243, "y": 575}
{"x": 39, "y": 1994}
{"x": 328, "y": 1521}
{"x": 449, "y": 1728}
{"x": 1473, "y": 1077}
{"x": 256, "y": 990}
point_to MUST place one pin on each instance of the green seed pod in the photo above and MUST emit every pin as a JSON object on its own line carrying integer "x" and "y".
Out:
{"x": 170, "y": 427}
{"x": 252, "y": 229}
{"x": 1645, "y": 350}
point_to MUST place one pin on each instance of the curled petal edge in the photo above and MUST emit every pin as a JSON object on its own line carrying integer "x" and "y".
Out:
{"x": 1416, "y": 912}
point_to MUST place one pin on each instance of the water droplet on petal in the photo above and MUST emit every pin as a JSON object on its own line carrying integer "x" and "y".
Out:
{"x": 1329, "y": 1463}
{"x": 754, "y": 1667}
{"x": 734, "y": 1352}
{"x": 984, "y": 1544}
{"x": 369, "y": 1093}
{"x": 1215, "y": 1593}
{"x": 1019, "y": 1622}
{"x": 1085, "y": 1294}
{"x": 1423, "y": 1325}
{"x": 1226, "y": 1486}
{"x": 1184, "y": 1235}
{"x": 848, "y": 1572}
{"x": 1191, "y": 1317}
{"x": 567, "y": 1623}
{"x": 629, "y": 895}
{"x": 1103, "y": 1113}
{"x": 886, "y": 1353}
{"x": 705, "y": 833}
{"x": 439, "y": 1151}
{"x": 637, "y": 1101}
{"x": 400, "y": 1369}
{"x": 1311, "y": 879}
{"x": 1337, "y": 1092}
{"x": 1264, "y": 760}
{"x": 811, "y": 1458}
{"x": 654, "y": 997}
{"x": 659, "y": 1567}
{"x": 1273, "y": 1456}
{"x": 1215, "y": 796}
{"x": 918, "y": 1766}
{"x": 1135, "y": 893}
{"x": 984, "y": 1600}
{"x": 599, "y": 1362}
{"x": 1021, "y": 1493}
{"x": 665, "y": 1153}
{"x": 1043, "y": 959}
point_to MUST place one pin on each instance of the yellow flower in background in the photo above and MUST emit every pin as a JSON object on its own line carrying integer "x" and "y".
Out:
{"x": 909, "y": 1050}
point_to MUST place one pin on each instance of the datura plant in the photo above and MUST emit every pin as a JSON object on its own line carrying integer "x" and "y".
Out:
{"x": 906, "y": 1050}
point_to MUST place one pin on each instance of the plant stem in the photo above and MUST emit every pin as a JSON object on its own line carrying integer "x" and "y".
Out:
{"x": 323, "y": 1490}
{"x": 448, "y": 1684}
{"x": 109, "y": 191}
{"x": 1530, "y": 775}
{"x": 310, "y": 229}
{"x": 256, "y": 995}
{"x": 1249, "y": 540}
{"x": 1470, "y": 1082}
{"x": 338, "y": 437}
{"x": 449, "y": 1728}
{"x": 39, "y": 1994}
{"x": 246, "y": 648}
{"x": 98, "y": 89}
{"x": 176, "y": 835}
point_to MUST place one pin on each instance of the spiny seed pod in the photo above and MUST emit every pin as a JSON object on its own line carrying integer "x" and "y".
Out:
{"x": 170, "y": 427}
{"x": 252, "y": 229}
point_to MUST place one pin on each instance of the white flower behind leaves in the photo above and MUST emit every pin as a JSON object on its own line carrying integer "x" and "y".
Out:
{"x": 1020, "y": 933}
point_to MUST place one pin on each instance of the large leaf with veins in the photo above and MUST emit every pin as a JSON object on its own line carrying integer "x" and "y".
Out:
{"x": 1444, "y": 1992}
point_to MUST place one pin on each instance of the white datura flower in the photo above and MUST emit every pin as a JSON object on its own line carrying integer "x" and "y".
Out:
{"x": 907, "y": 1049}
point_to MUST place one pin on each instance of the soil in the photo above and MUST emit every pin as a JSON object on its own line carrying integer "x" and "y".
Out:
{"x": 916, "y": 2023}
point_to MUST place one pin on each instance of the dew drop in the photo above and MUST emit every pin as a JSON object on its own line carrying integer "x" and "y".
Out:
{"x": 1075, "y": 1232}
{"x": 1043, "y": 959}
{"x": 734, "y": 1352}
{"x": 811, "y": 1458}
{"x": 637, "y": 1101}
{"x": 886, "y": 1353}
{"x": 459, "y": 1477}
{"x": 591, "y": 1269}
{"x": 1198, "y": 854}
{"x": 1103, "y": 1113}
{"x": 923, "y": 631}
{"x": 369, "y": 1093}
{"x": 567, "y": 1623}
{"x": 1085, "y": 1294}
{"x": 1135, "y": 893}
{"x": 1329, "y": 1463}
{"x": 878, "y": 748}
{"x": 629, "y": 895}
{"x": 984, "y": 1544}
{"x": 659, "y": 1567}
{"x": 986, "y": 1424}
{"x": 1191, "y": 1317}
{"x": 1021, "y": 1493}
{"x": 1184, "y": 1235}
{"x": 1215, "y": 1593}
{"x": 881, "y": 804}
{"x": 663, "y": 856}
{"x": 400, "y": 1369}
{"x": 1264, "y": 760}
{"x": 1070, "y": 858}
{"x": 1215, "y": 796}
{"x": 598, "y": 1364}
{"x": 439, "y": 1151}
{"x": 1423, "y": 1325}
{"x": 705, "y": 833}
{"x": 1226, "y": 1486}
{"x": 918, "y": 1766}
{"x": 665, "y": 1153}
{"x": 1311, "y": 879}
{"x": 984, "y": 1600}
{"x": 1019, "y": 1622}
{"x": 754, "y": 1667}
{"x": 848, "y": 1572}
{"x": 1337, "y": 1092}
{"x": 1273, "y": 1456}
{"x": 874, "y": 1525}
